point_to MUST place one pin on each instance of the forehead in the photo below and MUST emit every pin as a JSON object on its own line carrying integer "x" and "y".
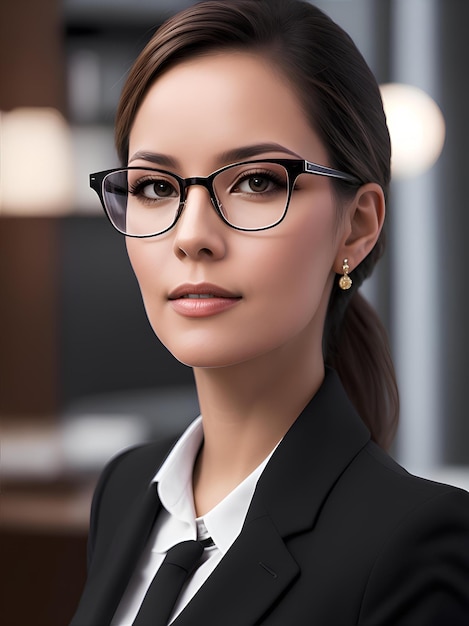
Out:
{"x": 210, "y": 104}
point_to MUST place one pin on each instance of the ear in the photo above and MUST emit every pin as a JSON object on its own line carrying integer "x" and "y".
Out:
{"x": 362, "y": 224}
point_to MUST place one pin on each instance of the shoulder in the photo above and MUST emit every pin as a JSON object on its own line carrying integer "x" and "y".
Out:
{"x": 376, "y": 499}
{"x": 416, "y": 500}
{"x": 122, "y": 481}
{"x": 123, "y": 474}
{"x": 404, "y": 503}
{"x": 419, "y": 564}
{"x": 379, "y": 473}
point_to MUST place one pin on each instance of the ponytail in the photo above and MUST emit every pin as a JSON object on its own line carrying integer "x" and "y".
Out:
{"x": 357, "y": 347}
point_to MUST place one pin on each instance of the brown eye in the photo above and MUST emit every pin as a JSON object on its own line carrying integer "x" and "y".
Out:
{"x": 154, "y": 189}
{"x": 158, "y": 189}
{"x": 258, "y": 183}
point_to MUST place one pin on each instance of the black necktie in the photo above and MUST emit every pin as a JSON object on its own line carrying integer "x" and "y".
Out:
{"x": 166, "y": 586}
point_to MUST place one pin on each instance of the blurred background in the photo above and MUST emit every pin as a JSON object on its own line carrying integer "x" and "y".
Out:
{"x": 82, "y": 375}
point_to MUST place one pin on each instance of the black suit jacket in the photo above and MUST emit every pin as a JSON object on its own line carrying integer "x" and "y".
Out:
{"x": 337, "y": 534}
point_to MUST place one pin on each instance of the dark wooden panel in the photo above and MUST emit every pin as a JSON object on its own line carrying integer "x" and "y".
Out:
{"x": 28, "y": 316}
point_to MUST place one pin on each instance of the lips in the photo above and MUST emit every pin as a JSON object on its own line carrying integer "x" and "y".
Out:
{"x": 201, "y": 291}
{"x": 202, "y": 300}
{"x": 198, "y": 295}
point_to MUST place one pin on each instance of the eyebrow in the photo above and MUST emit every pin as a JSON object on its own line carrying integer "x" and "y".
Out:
{"x": 229, "y": 156}
{"x": 246, "y": 152}
{"x": 163, "y": 160}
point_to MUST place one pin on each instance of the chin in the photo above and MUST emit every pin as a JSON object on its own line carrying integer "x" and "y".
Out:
{"x": 206, "y": 359}
{"x": 219, "y": 353}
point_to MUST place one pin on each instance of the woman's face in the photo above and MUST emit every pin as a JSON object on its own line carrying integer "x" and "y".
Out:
{"x": 267, "y": 291}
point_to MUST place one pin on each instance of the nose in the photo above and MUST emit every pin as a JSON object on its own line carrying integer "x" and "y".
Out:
{"x": 199, "y": 232}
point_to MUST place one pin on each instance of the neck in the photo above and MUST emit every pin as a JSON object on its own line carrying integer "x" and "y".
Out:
{"x": 247, "y": 409}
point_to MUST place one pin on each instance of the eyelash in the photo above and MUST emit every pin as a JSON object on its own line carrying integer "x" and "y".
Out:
{"x": 271, "y": 176}
{"x": 135, "y": 189}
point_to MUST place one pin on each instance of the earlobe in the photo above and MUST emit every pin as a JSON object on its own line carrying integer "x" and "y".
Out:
{"x": 362, "y": 225}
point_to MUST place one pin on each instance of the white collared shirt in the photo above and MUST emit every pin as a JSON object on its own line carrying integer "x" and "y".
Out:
{"x": 177, "y": 522}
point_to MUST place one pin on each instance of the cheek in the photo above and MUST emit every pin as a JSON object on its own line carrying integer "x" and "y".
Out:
{"x": 303, "y": 264}
{"x": 148, "y": 263}
{"x": 145, "y": 258}
{"x": 137, "y": 260}
{"x": 289, "y": 285}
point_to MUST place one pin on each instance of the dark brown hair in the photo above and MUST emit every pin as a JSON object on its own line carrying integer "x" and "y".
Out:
{"x": 342, "y": 102}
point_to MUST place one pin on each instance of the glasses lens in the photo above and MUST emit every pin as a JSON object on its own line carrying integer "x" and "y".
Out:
{"x": 252, "y": 195}
{"x": 141, "y": 202}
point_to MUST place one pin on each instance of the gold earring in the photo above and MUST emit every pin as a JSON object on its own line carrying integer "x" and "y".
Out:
{"x": 345, "y": 282}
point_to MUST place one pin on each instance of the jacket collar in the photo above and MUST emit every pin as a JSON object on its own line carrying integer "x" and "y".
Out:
{"x": 316, "y": 450}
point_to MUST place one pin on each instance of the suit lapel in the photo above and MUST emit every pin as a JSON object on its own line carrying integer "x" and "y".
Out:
{"x": 259, "y": 568}
{"x": 112, "y": 567}
{"x": 314, "y": 453}
{"x": 256, "y": 570}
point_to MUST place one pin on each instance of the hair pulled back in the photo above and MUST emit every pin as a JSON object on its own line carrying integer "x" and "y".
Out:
{"x": 342, "y": 102}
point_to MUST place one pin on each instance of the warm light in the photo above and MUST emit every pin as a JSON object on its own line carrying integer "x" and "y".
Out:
{"x": 416, "y": 126}
{"x": 36, "y": 173}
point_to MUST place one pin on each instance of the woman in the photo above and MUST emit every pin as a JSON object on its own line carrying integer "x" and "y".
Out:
{"x": 255, "y": 164}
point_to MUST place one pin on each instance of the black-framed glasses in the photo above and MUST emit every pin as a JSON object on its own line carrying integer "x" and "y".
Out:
{"x": 248, "y": 196}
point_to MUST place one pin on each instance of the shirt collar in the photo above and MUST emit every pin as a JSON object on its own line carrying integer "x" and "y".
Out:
{"x": 225, "y": 521}
{"x": 174, "y": 484}
{"x": 174, "y": 478}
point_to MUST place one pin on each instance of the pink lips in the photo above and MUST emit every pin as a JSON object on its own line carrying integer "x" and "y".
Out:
{"x": 202, "y": 300}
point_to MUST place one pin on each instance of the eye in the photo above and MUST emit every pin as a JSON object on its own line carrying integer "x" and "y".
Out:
{"x": 154, "y": 189}
{"x": 259, "y": 183}
{"x": 254, "y": 184}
